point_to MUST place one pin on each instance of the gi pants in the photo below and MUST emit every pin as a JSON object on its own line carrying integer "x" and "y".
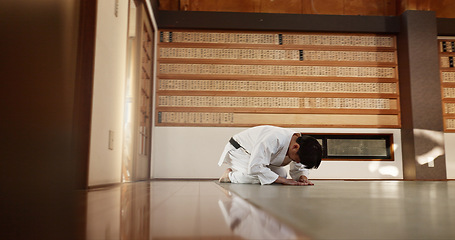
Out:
{"x": 238, "y": 160}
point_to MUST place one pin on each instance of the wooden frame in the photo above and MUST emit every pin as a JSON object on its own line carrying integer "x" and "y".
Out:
{"x": 140, "y": 58}
{"x": 82, "y": 112}
{"x": 330, "y": 76}
{"x": 388, "y": 137}
{"x": 447, "y": 76}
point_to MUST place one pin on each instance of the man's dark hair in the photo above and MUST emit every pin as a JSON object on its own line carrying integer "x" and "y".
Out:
{"x": 310, "y": 151}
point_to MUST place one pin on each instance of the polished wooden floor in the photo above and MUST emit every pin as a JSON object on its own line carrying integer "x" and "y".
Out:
{"x": 328, "y": 210}
{"x": 178, "y": 210}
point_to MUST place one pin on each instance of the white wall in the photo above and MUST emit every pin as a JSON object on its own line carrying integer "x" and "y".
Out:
{"x": 108, "y": 92}
{"x": 449, "y": 142}
{"x": 193, "y": 152}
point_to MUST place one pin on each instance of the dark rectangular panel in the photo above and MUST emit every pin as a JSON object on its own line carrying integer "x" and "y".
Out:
{"x": 277, "y": 22}
{"x": 446, "y": 26}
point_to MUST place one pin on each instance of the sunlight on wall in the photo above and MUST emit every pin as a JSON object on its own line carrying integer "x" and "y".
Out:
{"x": 383, "y": 170}
{"x": 389, "y": 171}
{"x": 437, "y": 147}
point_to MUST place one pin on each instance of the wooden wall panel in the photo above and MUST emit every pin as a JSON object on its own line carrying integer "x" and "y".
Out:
{"x": 233, "y": 78}
{"x": 332, "y": 7}
{"x": 390, "y": 8}
{"x": 447, "y": 71}
{"x": 281, "y": 6}
{"x": 400, "y": 6}
{"x": 444, "y": 8}
{"x": 414, "y": 5}
{"x": 238, "y": 5}
{"x": 364, "y": 7}
{"x": 221, "y": 5}
{"x": 169, "y": 5}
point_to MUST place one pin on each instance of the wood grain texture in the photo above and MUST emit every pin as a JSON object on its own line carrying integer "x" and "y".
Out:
{"x": 443, "y": 8}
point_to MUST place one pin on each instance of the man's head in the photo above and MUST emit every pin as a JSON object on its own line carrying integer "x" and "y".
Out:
{"x": 310, "y": 151}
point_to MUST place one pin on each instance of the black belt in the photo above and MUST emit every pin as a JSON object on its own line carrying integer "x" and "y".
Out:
{"x": 234, "y": 143}
{"x": 237, "y": 145}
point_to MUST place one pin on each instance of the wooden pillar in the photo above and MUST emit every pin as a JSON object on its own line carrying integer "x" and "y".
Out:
{"x": 420, "y": 93}
{"x": 38, "y": 173}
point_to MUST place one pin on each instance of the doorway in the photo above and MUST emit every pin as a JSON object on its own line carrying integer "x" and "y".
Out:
{"x": 139, "y": 91}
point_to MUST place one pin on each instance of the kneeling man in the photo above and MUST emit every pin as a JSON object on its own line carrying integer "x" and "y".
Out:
{"x": 258, "y": 154}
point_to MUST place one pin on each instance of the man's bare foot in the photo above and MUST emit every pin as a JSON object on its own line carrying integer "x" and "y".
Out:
{"x": 225, "y": 177}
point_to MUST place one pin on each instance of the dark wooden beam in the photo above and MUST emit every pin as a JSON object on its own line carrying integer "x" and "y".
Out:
{"x": 446, "y": 26}
{"x": 277, "y": 22}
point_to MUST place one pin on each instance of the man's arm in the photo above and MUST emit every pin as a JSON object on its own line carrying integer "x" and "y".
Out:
{"x": 299, "y": 173}
{"x": 285, "y": 181}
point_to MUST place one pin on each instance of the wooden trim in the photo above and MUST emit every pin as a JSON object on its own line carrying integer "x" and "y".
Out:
{"x": 284, "y": 120}
{"x": 105, "y": 186}
{"x": 82, "y": 112}
{"x": 354, "y": 135}
{"x": 222, "y": 30}
{"x": 279, "y": 110}
{"x": 276, "y": 78}
{"x": 276, "y": 94}
{"x": 268, "y": 46}
{"x": 448, "y": 84}
{"x": 278, "y": 62}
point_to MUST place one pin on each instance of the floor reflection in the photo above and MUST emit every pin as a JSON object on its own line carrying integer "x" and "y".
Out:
{"x": 249, "y": 222}
{"x": 177, "y": 210}
{"x": 135, "y": 212}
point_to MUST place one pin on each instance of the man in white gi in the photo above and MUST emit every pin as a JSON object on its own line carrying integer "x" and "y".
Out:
{"x": 257, "y": 155}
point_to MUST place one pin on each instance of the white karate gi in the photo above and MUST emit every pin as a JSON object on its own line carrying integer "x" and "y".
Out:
{"x": 266, "y": 148}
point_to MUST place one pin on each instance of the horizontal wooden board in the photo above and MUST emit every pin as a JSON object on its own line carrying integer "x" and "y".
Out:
{"x": 297, "y": 120}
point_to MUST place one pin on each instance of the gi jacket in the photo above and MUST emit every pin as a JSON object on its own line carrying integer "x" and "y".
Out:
{"x": 266, "y": 145}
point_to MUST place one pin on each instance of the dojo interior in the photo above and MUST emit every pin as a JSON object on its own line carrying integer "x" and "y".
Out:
{"x": 117, "y": 112}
